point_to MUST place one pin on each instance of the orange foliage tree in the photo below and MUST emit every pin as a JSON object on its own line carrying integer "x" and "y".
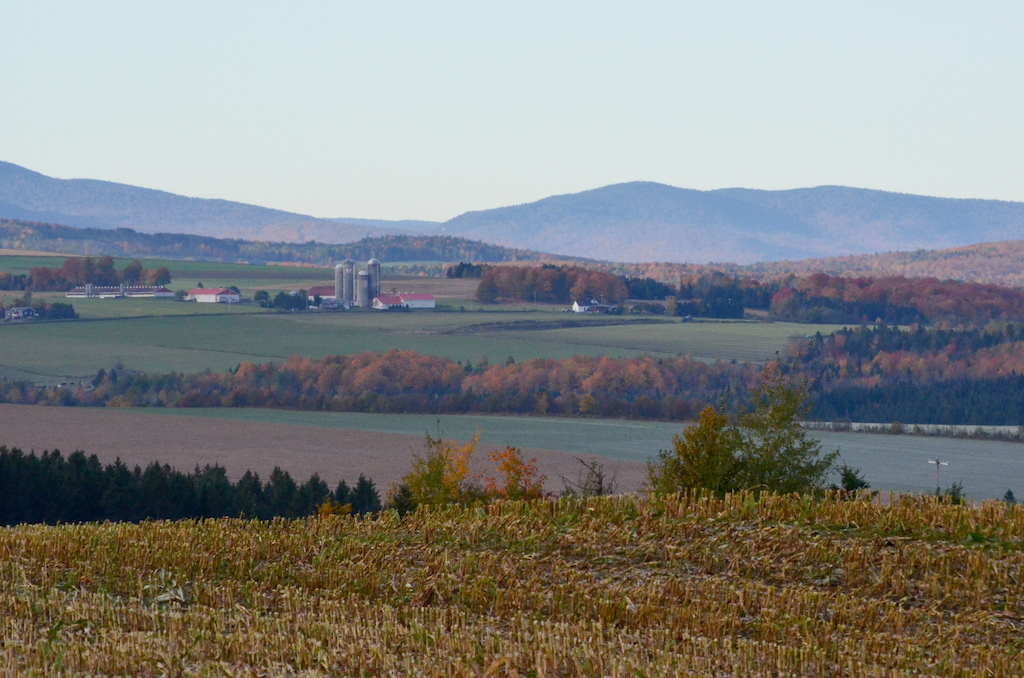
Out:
{"x": 519, "y": 477}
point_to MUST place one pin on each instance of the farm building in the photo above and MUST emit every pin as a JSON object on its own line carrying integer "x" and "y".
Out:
{"x": 382, "y": 302}
{"x": 593, "y": 306}
{"x": 385, "y": 301}
{"x": 214, "y": 296}
{"x": 20, "y": 313}
{"x": 120, "y": 292}
{"x": 328, "y": 296}
{"x": 418, "y": 300}
{"x": 322, "y": 291}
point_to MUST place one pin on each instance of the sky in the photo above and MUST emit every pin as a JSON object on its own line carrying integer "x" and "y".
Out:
{"x": 426, "y": 110}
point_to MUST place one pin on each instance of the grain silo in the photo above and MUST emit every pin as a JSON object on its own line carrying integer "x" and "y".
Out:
{"x": 373, "y": 268}
{"x": 348, "y": 275}
{"x": 339, "y": 282}
{"x": 363, "y": 289}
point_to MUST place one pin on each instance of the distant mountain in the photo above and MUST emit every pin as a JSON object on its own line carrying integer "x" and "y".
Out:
{"x": 411, "y": 225}
{"x": 646, "y": 221}
{"x": 633, "y": 222}
{"x": 88, "y": 203}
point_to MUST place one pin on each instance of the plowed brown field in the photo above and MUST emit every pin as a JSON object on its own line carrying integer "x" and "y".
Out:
{"x": 138, "y": 438}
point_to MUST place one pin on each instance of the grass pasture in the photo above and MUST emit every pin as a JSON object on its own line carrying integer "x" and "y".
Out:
{"x": 218, "y": 337}
{"x": 607, "y": 587}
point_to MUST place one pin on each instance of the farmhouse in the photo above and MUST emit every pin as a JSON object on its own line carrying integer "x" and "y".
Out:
{"x": 322, "y": 291}
{"x": 386, "y": 301}
{"x": 328, "y": 296}
{"x": 593, "y": 306}
{"x": 214, "y": 296}
{"x": 20, "y": 313}
{"x": 120, "y": 292}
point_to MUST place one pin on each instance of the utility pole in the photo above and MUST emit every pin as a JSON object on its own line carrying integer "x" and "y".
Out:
{"x": 938, "y": 487}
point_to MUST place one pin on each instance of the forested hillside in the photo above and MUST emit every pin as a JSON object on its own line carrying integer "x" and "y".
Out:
{"x": 1001, "y": 263}
{"x": 125, "y": 242}
{"x": 925, "y": 376}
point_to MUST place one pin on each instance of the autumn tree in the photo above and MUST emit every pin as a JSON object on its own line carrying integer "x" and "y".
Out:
{"x": 777, "y": 454}
{"x": 519, "y": 478}
{"x": 441, "y": 475}
{"x": 707, "y": 455}
{"x": 765, "y": 450}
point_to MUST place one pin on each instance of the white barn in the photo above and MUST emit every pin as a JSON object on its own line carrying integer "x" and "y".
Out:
{"x": 219, "y": 295}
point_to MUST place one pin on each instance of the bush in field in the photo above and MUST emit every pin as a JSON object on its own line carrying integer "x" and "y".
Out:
{"x": 765, "y": 450}
{"x": 441, "y": 475}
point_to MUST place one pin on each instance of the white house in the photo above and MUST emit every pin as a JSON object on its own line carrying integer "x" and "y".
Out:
{"x": 385, "y": 301}
{"x": 20, "y": 313}
{"x": 593, "y": 306}
{"x": 581, "y": 306}
{"x": 214, "y": 295}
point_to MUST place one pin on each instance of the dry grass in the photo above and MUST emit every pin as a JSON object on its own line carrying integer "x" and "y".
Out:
{"x": 607, "y": 587}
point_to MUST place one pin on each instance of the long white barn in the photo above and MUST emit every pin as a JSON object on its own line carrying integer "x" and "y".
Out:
{"x": 220, "y": 295}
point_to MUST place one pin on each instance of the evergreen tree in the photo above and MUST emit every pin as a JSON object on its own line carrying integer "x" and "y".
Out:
{"x": 249, "y": 499}
{"x": 365, "y": 498}
{"x": 342, "y": 495}
{"x": 310, "y": 495}
{"x": 279, "y": 493}
{"x": 215, "y": 495}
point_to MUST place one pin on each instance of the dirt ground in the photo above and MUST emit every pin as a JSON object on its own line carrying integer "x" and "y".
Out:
{"x": 138, "y": 438}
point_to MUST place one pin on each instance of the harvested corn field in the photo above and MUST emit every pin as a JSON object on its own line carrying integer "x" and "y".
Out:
{"x": 607, "y": 586}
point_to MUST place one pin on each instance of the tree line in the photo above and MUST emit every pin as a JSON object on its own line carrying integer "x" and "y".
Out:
{"x": 50, "y": 488}
{"x": 818, "y": 298}
{"x": 549, "y": 284}
{"x": 920, "y": 375}
{"x": 78, "y": 271}
{"x": 408, "y": 382}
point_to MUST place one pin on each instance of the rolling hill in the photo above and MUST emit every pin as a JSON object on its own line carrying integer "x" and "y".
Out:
{"x": 631, "y": 222}
{"x": 87, "y": 203}
{"x": 646, "y": 221}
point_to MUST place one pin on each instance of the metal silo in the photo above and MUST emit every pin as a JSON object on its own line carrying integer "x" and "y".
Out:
{"x": 348, "y": 275}
{"x": 363, "y": 290}
{"x": 339, "y": 284}
{"x": 373, "y": 268}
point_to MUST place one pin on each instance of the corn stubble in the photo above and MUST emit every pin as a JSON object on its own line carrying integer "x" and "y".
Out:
{"x": 620, "y": 586}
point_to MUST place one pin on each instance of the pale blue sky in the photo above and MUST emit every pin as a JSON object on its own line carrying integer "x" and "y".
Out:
{"x": 429, "y": 109}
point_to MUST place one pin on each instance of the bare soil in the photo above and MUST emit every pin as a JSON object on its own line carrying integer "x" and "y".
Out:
{"x": 138, "y": 437}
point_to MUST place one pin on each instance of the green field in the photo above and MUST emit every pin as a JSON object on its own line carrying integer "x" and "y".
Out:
{"x": 218, "y": 338}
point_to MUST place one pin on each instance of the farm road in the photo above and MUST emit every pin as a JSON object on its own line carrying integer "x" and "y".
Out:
{"x": 183, "y": 441}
